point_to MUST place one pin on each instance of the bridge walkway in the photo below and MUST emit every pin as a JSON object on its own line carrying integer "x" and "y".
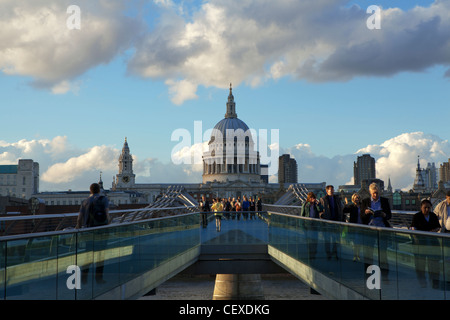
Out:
{"x": 138, "y": 256}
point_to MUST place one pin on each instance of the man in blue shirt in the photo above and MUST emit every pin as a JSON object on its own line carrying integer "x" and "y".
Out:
{"x": 375, "y": 204}
{"x": 376, "y": 208}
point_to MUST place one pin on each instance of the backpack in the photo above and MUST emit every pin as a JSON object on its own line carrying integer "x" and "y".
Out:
{"x": 97, "y": 212}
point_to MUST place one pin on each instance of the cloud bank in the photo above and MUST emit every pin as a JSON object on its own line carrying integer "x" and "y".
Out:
{"x": 64, "y": 167}
{"x": 396, "y": 159}
{"x": 220, "y": 41}
{"x": 36, "y": 42}
{"x": 255, "y": 41}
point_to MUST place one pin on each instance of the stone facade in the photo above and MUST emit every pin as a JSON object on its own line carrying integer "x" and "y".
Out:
{"x": 21, "y": 180}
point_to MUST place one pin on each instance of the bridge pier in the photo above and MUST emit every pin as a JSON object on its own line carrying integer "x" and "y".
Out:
{"x": 238, "y": 287}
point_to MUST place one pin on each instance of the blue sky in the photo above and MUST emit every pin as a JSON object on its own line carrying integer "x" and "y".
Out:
{"x": 142, "y": 69}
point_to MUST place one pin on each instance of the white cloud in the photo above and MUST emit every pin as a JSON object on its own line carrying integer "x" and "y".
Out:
{"x": 31, "y": 149}
{"x": 61, "y": 165}
{"x": 36, "y": 42}
{"x": 64, "y": 87}
{"x": 221, "y": 41}
{"x": 191, "y": 155}
{"x": 396, "y": 158}
{"x": 257, "y": 40}
{"x": 181, "y": 91}
{"x": 153, "y": 170}
{"x": 96, "y": 159}
{"x": 65, "y": 167}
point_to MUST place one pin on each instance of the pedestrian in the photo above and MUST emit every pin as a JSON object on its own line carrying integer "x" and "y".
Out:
{"x": 218, "y": 208}
{"x": 204, "y": 209}
{"x": 425, "y": 219}
{"x": 259, "y": 205}
{"x": 332, "y": 205}
{"x": 332, "y": 210}
{"x": 233, "y": 208}
{"x": 237, "y": 206}
{"x": 94, "y": 212}
{"x": 442, "y": 211}
{"x": 311, "y": 208}
{"x": 227, "y": 207}
{"x": 353, "y": 211}
{"x": 252, "y": 208}
{"x": 245, "y": 207}
{"x": 427, "y": 250}
{"x": 376, "y": 207}
{"x": 376, "y": 211}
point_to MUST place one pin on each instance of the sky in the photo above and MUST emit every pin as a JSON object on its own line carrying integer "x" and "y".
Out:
{"x": 335, "y": 79}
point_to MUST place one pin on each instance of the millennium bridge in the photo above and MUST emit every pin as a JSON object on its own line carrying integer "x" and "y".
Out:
{"x": 44, "y": 257}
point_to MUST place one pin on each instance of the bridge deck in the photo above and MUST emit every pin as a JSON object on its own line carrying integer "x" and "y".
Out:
{"x": 138, "y": 256}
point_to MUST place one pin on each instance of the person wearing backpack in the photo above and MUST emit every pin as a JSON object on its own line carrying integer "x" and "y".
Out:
{"x": 94, "y": 212}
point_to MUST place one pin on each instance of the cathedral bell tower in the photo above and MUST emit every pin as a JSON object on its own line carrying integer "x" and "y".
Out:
{"x": 126, "y": 177}
{"x": 231, "y": 105}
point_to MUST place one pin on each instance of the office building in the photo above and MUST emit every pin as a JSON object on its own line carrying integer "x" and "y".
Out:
{"x": 287, "y": 169}
{"x": 364, "y": 169}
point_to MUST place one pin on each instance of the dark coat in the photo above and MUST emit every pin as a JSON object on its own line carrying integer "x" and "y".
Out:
{"x": 385, "y": 207}
{"x": 420, "y": 223}
{"x": 327, "y": 209}
{"x": 352, "y": 210}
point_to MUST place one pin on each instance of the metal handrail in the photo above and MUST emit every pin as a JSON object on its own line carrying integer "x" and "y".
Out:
{"x": 365, "y": 226}
{"x": 75, "y": 214}
{"x": 81, "y": 230}
{"x": 34, "y": 222}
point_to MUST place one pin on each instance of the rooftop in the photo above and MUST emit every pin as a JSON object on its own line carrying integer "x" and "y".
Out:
{"x": 8, "y": 169}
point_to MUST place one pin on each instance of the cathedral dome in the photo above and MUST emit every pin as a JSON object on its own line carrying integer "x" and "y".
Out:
{"x": 230, "y": 124}
{"x": 231, "y": 153}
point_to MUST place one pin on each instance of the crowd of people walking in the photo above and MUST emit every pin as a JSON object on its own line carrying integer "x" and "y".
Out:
{"x": 375, "y": 211}
{"x": 230, "y": 209}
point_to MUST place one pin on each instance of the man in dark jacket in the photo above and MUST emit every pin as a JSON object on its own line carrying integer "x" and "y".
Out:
{"x": 372, "y": 209}
{"x": 332, "y": 210}
{"x": 204, "y": 209}
{"x": 95, "y": 205}
{"x": 85, "y": 217}
{"x": 332, "y": 205}
{"x": 375, "y": 205}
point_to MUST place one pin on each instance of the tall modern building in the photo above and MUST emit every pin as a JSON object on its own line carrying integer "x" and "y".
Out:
{"x": 364, "y": 169}
{"x": 21, "y": 180}
{"x": 444, "y": 172}
{"x": 430, "y": 177}
{"x": 287, "y": 169}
